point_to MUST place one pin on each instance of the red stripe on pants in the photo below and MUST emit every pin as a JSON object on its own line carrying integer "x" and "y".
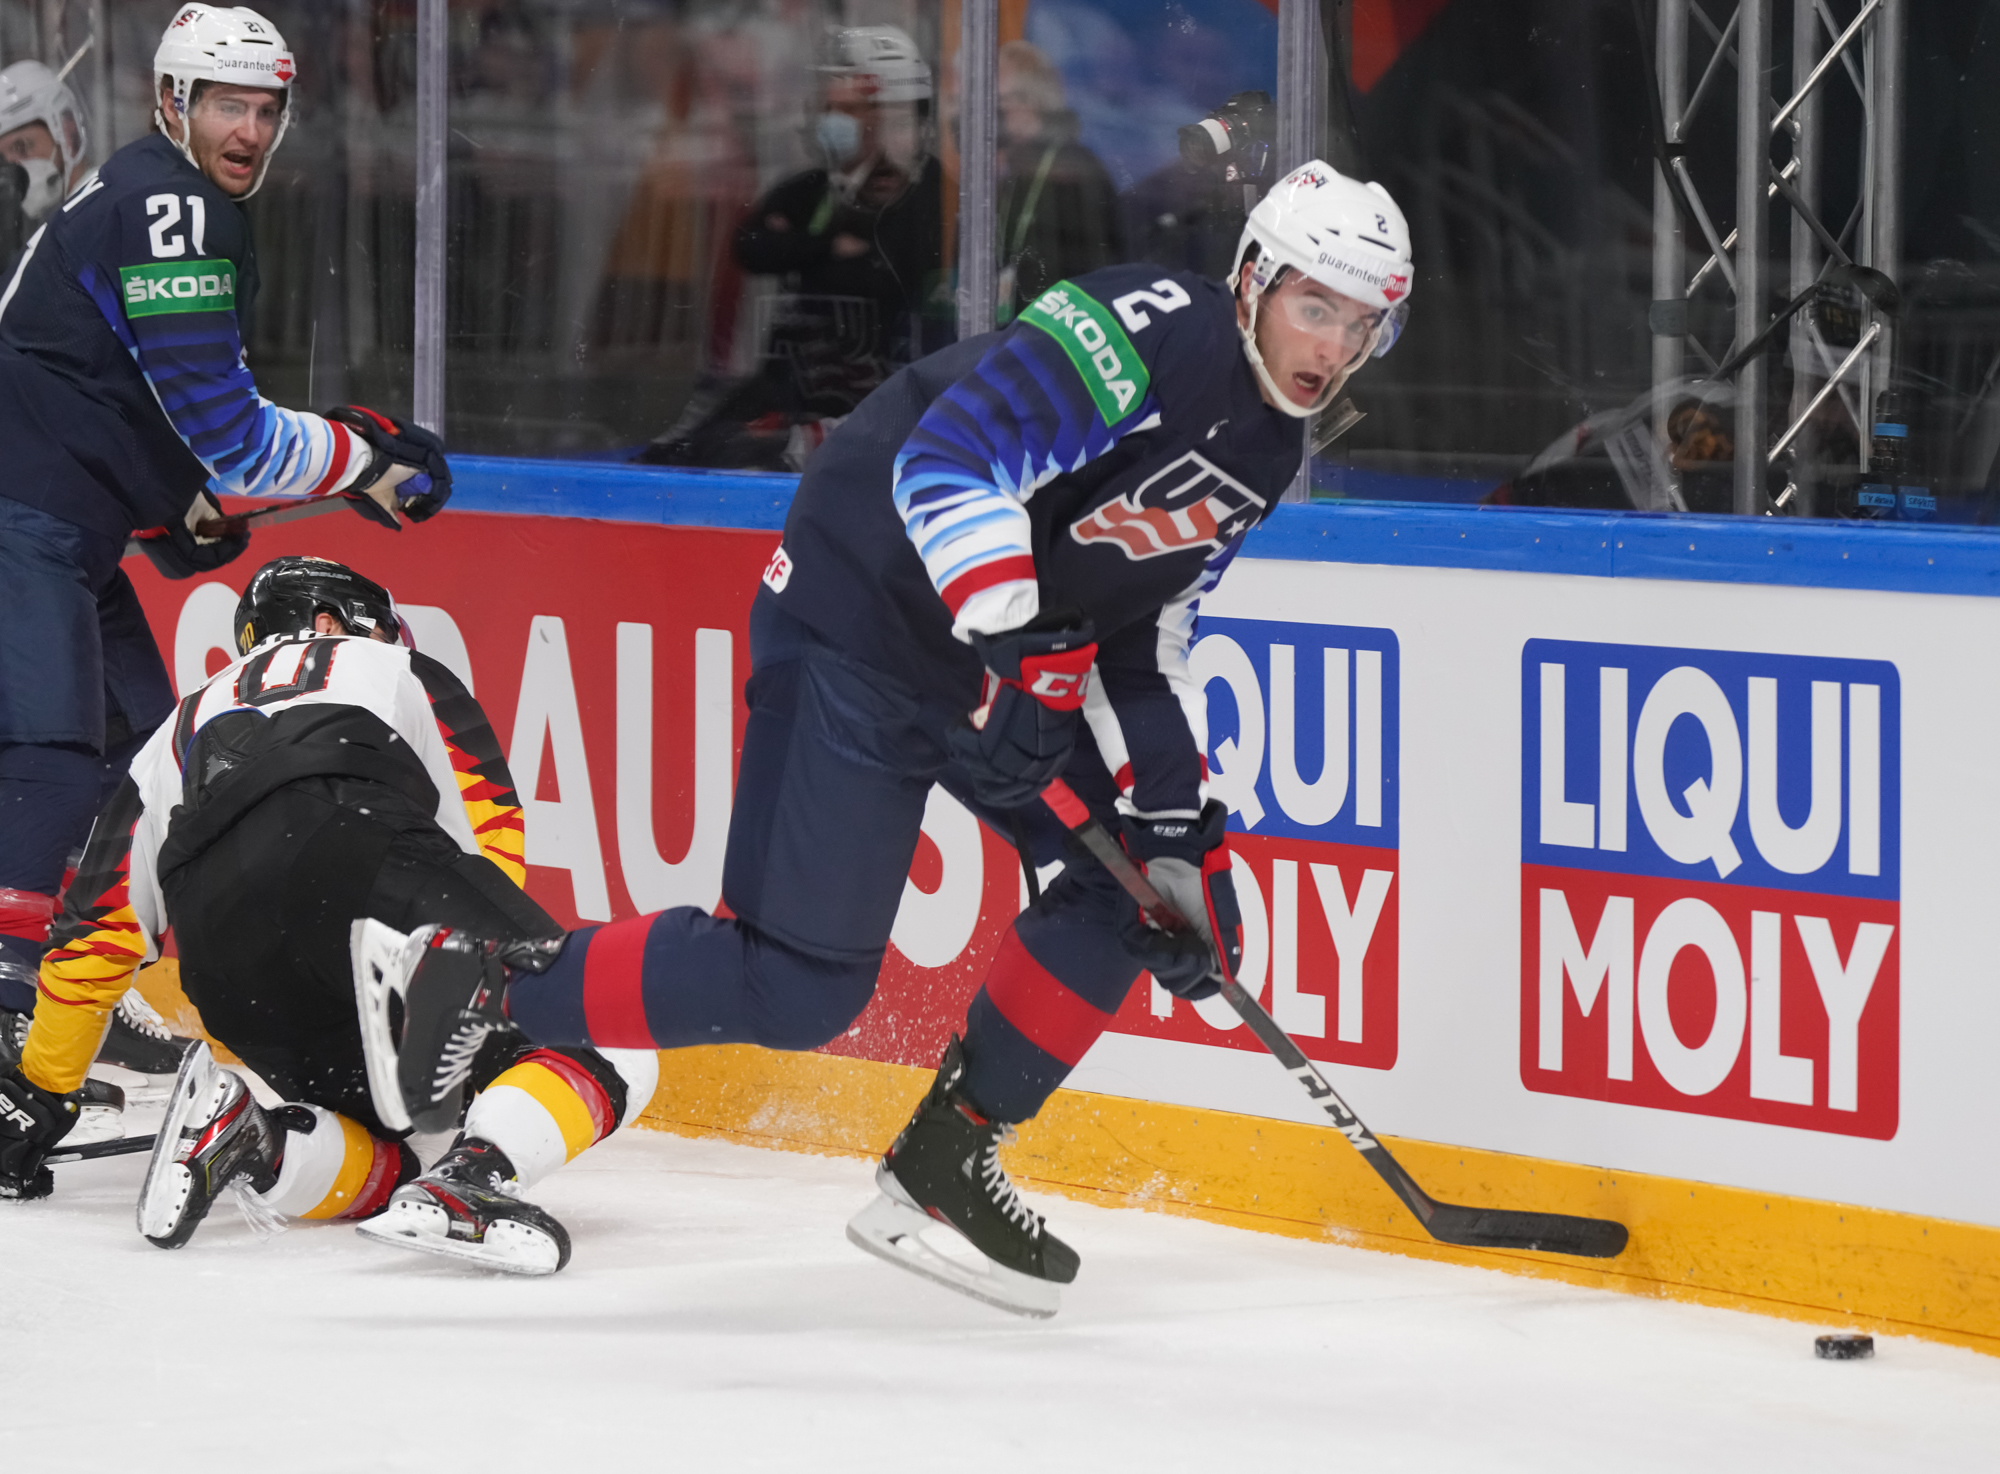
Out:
{"x": 1033, "y": 1000}
{"x": 614, "y": 1002}
{"x": 384, "y": 1176}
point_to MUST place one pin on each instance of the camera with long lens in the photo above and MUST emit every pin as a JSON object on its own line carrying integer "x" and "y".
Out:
{"x": 1239, "y": 138}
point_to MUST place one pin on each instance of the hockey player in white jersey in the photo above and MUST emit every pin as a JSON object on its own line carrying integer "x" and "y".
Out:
{"x": 330, "y": 772}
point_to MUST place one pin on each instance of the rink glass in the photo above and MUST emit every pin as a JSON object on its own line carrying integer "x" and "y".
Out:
{"x": 602, "y": 155}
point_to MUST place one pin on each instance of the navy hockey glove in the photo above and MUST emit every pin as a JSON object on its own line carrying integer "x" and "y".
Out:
{"x": 32, "y": 1121}
{"x": 1188, "y": 864}
{"x": 178, "y": 551}
{"x": 407, "y": 457}
{"x": 1036, "y": 679}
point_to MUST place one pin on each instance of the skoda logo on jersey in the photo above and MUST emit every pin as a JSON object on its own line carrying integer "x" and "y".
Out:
{"x": 1188, "y": 503}
{"x": 1104, "y": 357}
{"x": 178, "y": 286}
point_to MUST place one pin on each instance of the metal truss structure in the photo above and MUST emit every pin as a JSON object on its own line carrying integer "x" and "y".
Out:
{"x": 1864, "y": 50}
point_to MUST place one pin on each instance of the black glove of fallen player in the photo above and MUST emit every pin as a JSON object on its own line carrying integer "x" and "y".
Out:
{"x": 1188, "y": 864}
{"x": 397, "y": 445}
{"x": 1021, "y": 737}
{"x": 32, "y": 1121}
{"x": 178, "y": 552}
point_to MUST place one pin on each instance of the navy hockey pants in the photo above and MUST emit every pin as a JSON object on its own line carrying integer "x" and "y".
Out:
{"x": 82, "y": 686}
{"x": 837, "y": 762}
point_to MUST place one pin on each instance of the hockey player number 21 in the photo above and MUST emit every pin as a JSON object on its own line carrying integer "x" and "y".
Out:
{"x": 164, "y": 210}
{"x": 1166, "y": 295}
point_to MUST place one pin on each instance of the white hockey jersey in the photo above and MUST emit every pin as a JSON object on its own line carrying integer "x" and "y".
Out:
{"x": 292, "y": 708}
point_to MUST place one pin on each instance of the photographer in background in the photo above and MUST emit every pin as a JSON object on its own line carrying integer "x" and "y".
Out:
{"x": 1058, "y": 208}
{"x": 1188, "y": 214}
{"x": 44, "y": 151}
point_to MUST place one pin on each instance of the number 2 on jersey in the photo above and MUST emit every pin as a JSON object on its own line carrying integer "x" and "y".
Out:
{"x": 1165, "y": 295}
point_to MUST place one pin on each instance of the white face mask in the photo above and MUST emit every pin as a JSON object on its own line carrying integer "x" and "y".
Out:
{"x": 45, "y": 187}
{"x": 839, "y": 135}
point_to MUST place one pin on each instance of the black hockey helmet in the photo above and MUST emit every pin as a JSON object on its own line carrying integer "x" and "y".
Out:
{"x": 286, "y": 593}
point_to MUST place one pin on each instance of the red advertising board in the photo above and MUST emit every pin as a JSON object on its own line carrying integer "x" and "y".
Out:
{"x": 566, "y": 609}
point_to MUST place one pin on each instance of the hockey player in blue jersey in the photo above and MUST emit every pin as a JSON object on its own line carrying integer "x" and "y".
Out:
{"x": 988, "y": 579}
{"x": 126, "y": 403}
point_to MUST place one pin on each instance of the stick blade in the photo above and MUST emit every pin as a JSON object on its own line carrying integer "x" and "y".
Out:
{"x": 1535, "y": 1233}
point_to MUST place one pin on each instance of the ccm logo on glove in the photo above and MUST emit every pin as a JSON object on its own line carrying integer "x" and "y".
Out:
{"x": 1064, "y": 690}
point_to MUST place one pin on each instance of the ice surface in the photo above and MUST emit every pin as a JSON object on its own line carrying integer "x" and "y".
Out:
{"x": 714, "y": 1318}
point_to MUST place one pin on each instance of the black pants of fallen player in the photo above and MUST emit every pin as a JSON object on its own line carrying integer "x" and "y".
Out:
{"x": 838, "y": 760}
{"x": 262, "y": 912}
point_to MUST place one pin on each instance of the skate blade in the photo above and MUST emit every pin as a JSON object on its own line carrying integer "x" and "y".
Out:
{"x": 510, "y": 1248}
{"x": 376, "y": 952}
{"x": 164, "y": 1197}
{"x": 893, "y": 1232}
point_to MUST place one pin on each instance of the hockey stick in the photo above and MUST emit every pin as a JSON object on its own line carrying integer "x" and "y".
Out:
{"x": 255, "y": 517}
{"x": 118, "y": 1146}
{"x": 1448, "y": 1223}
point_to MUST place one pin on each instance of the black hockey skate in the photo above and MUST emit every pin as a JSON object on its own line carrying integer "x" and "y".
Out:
{"x": 465, "y": 1208}
{"x": 139, "y": 1039}
{"x": 213, "y": 1134}
{"x": 944, "y": 1171}
{"x": 448, "y": 988}
{"x": 13, "y": 1036}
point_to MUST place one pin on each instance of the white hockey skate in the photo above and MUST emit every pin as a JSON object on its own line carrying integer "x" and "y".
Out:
{"x": 213, "y": 1134}
{"x": 463, "y": 1208}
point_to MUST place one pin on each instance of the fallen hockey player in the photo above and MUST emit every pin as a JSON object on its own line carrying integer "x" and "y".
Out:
{"x": 1019, "y": 528}
{"x": 328, "y": 773}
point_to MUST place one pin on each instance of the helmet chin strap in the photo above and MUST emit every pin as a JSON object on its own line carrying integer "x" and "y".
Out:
{"x": 1277, "y": 397}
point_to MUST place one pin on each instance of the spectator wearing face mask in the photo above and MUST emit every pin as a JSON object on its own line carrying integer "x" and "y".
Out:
{"x": 44, "y": 151}
{"x": 857, "y": 244}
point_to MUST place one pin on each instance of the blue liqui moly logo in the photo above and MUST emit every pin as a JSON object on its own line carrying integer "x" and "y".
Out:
{"x": 1710, "y": 891}
{"x": 1304, "y": 748}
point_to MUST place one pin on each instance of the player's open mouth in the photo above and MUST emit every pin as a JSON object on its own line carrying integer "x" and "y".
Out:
{"x": 237, "y": 161}
{"x": 1306, "y": 387}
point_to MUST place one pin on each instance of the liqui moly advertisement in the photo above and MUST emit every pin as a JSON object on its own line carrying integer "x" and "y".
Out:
{"x": 1303, "y": 747}
{"x": 1710, "y": 882}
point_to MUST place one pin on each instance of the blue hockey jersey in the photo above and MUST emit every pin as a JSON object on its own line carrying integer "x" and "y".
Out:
{"x": 122, "y": 383}
{"x": 1105, "y": 453}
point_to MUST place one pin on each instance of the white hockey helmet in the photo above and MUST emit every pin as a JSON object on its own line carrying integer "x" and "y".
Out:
{"x": 230, "y": 44}
{"x": 887, "y": 54}
{"x": 1340, "y": 232}
{"x": 31, "y": 93}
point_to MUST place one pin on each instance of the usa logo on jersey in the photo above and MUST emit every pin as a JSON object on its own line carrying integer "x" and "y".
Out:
{"x": 1188, "y": 503}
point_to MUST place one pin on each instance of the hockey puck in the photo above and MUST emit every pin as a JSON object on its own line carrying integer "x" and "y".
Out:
{"x": 1846, "y": 1346}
